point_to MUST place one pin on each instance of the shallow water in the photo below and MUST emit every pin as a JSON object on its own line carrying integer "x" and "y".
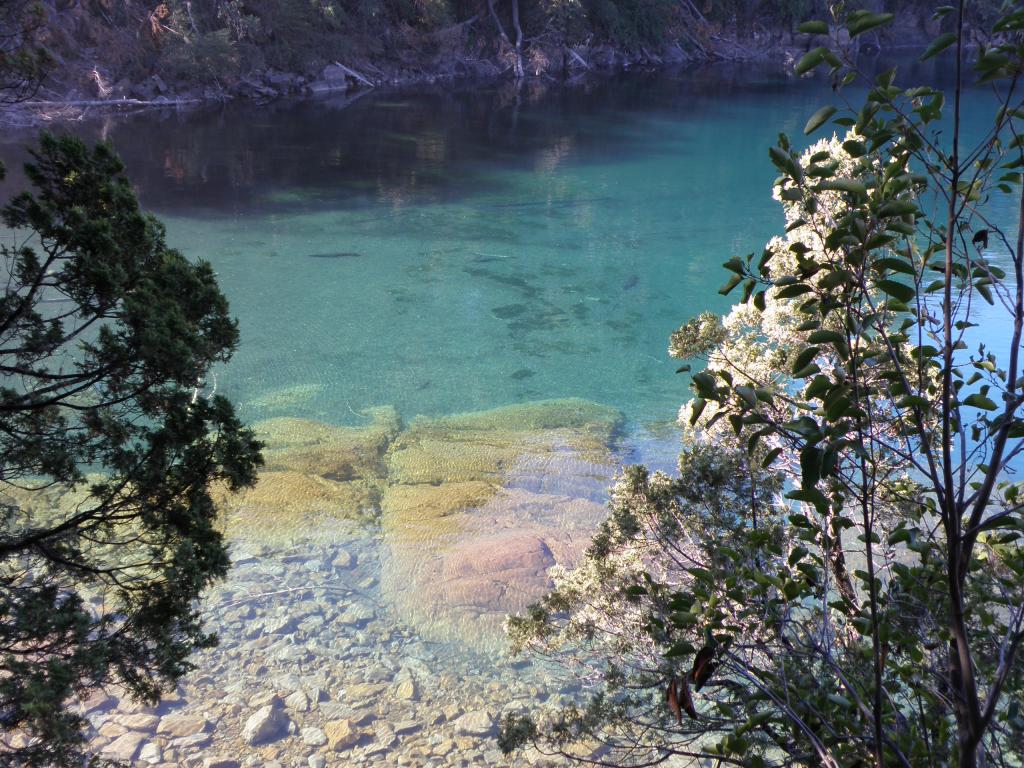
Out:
{"x": 437, "y": 253}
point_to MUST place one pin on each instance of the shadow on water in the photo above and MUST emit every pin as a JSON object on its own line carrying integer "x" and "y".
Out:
{"x": 430, "y": 145}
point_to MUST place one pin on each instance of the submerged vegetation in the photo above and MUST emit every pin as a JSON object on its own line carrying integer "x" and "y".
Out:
{"x": 835, "y": 576}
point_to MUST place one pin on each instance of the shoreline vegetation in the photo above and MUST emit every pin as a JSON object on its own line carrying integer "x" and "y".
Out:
{"x": 102, "y": 56}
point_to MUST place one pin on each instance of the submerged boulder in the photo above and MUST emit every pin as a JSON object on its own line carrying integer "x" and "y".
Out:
{"x": 480, "y": 505}
{"x": 314, "y": 474}
{"x": 335, "y": 453}
{"x": 285, "y": 504}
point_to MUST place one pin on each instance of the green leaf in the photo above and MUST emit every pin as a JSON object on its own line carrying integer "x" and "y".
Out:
{"x": 897, "y": 208}
{"x": 824, "y": 336}
{"x": 900, "y": 291}
{"x": 899, "y": 536}
{"x": 699, "y": 404}
{"x": 843, "y": 185}
{"x": 861, "y": 22}
{"x": 804, "y": 358}
{"x": 938, "y": 45}
{"x": 819, "y": 386}
{"x": 809, "y": 61}
{"x": 980, "y": 401}
{"x": 813, "y": 28}
{"x": 810, "y": 466}
{"x": 894, "y": 264}
{"x": 792, "y": 291}
{"x": 735, "y": 265}
{"x": 680, "y": 648}
{"x": 797, "y": 555}
{"x": 818, "y": 119}
{"x": 807, "y": 370}
{"x": 748, "y": 395}
{"x": 855, "y": 148}
{"x": 840, "y": 701}
{"x": 771, "y": 456}
{"x": 733, "y": 281}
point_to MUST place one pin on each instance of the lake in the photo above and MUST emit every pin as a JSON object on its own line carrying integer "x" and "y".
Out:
{"x": 455, "y": 307}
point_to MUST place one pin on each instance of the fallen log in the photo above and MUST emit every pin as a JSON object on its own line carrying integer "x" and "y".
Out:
{"x": 577, "y": 57}
{"x": 352, "y": 73}
{"x": 112, "y": 103}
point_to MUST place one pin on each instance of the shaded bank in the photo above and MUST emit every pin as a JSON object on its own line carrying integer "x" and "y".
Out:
{"x": 137, "y": 55}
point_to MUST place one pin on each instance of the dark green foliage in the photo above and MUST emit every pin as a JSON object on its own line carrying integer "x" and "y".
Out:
{"x": 23, "y": 59}
{"x": 108, "y": 448}
{"x": 632, "y": 23}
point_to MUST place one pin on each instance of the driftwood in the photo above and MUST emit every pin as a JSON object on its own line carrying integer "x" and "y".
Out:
{"x": 112, "y": 103}
{"x": 517, "y": 63}
{"x": 577, "y": 57}
{"x": 352, "y": 73}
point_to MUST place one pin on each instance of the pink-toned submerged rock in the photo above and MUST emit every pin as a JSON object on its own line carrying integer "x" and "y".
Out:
{"x": 480, "y": 506}
{"x": 460, "y": 586}
{"x": 480, "y": 571}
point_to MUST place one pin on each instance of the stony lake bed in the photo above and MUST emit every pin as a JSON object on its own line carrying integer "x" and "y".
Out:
{"x": 372, "y": 570}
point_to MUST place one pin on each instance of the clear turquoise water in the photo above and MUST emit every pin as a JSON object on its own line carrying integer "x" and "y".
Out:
{"x": 464, "y": 249}
{"x": 447, "y": 252}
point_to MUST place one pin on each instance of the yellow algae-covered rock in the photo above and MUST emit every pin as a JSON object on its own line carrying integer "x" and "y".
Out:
{"x": 486, "y": 445}
{"x": 285, "y": 398}
{"x": 480, "y": 505}
{"x": 417, "y": 512}
{"x": 51, "y": 501}
{"x": 285, "y": 504}
{"x": 572, "y": 413}
{"x": 336, "y": 453}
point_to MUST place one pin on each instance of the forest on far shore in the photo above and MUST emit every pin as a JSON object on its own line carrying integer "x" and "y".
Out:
{"x": 146, "y": 49}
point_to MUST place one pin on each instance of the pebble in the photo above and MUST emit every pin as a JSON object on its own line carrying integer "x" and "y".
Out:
{"x": 175, "y": 726}
{"x": 476, "y": 723}
{"x": 312, "y": 736}
{"x": 319, "y": 677}
{"x": 264, "y": 725}
{"x": 124, "y": 747}
{"x": 341, "y": 735}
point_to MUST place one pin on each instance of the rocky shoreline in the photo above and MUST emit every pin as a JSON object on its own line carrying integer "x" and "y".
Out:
{"x": 333, "y": 80}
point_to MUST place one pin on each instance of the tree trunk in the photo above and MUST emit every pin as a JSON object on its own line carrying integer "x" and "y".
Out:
{"x": 519, "y": 73}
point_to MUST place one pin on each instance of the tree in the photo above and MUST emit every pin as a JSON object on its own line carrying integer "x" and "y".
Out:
{"x": 109, "y": 447}
{"x": 836, "y": 576}
{"x": 23, "y": 59}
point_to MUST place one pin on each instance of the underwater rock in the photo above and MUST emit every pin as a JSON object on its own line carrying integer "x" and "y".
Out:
{"x": 341, "y": 735}
{"x": 485, "y": 445}
{"x": 286, "y": 397}
{"x": 283, "y": 504}
{"x": 336, "y": 453}
{"x": 314, "y": 473}
{"x": 416, "y": 512}
{"x": 267, "y": 724}
{"x": 480, "y": 505}
{"x": 488, "y": 562}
